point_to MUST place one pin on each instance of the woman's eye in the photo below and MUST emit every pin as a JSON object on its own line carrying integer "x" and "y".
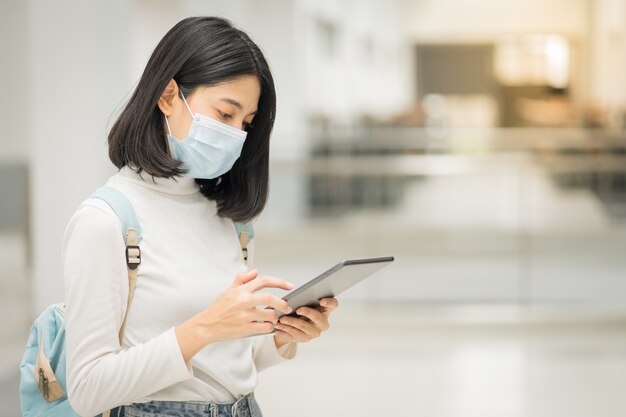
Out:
{"x": 224, "y": 115}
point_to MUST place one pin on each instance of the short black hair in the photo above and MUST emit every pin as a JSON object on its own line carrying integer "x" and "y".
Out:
{"x": 200, "y": 51}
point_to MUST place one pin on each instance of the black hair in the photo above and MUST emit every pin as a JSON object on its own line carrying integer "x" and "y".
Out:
{"x": 200, "y": 51}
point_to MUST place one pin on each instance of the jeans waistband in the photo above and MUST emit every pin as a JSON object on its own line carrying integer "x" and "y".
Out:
{"x": 241, "y": 408}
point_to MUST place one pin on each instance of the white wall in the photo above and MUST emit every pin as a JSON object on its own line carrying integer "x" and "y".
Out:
{"x": 370, "y": 72}
{"x": 468, "y": 20}
{"x": 14, "y": 112}
{"x": 77, "y": 74}
{"x": 151, "y": 19}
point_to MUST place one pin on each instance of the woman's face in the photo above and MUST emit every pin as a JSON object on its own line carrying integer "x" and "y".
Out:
{"x": 233, "y": 102}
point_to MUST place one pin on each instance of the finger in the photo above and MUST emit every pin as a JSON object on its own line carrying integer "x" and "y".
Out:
{"x": 296, "y": 335}
{"x": 329, "y": 304}
{"x": 315, "y": 316}
{"x": 245, "y": 277}
{"x": 306, "y": 327}
{"x": 260, "y": 327}
{"x": 268, "y": 315}
{"x": 268, "y": 282}
{"x": 271, "y": 301}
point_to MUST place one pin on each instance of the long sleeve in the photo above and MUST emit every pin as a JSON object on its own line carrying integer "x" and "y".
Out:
{"x": 101, "y": 375}
{"x": 266, "y": 354}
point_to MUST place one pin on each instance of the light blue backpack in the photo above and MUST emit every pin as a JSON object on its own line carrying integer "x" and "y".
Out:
{"x": 43, "y": 385}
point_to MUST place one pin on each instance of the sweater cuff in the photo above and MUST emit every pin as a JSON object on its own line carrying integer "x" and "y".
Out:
{"x": 267, "y": 355}
{"x": 180, "y": 368}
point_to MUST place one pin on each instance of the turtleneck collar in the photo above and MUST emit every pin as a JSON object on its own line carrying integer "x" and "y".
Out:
{"x": 175, "y": 185}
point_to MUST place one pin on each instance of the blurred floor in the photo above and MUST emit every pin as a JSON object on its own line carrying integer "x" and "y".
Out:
{"x": 455, "y": 362}
{"x": 444, "y": 362}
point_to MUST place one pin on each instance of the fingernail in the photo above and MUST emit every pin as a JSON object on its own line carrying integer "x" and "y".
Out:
{"x": 290, "y": 285}
{"x": 324, "y": 303}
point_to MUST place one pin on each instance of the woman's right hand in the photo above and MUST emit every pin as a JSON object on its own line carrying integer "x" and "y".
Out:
{"x": 234, "y": 314}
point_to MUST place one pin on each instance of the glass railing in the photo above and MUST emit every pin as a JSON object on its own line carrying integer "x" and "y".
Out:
{"x": 472, "y": 215}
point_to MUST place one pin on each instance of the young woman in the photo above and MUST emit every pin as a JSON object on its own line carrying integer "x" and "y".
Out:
{"x": 192, "y": 146}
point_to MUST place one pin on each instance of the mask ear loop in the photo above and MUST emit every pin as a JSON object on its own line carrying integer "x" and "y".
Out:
{"x": 186, "y": 104}
{"x": 169, "y": 131}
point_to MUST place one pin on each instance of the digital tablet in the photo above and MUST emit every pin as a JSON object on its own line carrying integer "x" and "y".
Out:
{"x": 334, "y": 281}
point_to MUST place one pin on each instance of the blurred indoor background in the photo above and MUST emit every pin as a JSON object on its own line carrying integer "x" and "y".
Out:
{"x": 480, "y": 142}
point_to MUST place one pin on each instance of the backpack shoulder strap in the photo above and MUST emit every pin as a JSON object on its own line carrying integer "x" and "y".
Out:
{"x": 245, "y": 233}
{"x": 131, "y": 231}
{"x": 122, "y": 208}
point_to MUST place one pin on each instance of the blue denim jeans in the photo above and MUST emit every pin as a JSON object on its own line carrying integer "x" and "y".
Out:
{"x": 244, "y": 407}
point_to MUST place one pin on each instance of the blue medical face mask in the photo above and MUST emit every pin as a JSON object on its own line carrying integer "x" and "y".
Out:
{"x": 210, "y": 149}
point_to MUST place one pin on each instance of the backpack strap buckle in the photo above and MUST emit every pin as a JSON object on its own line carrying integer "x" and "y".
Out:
{"x": 243, "y": 241}
{"x": 133, "y": 256}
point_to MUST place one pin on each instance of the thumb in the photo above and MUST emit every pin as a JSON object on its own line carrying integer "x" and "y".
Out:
{"x": 245, "y": 277}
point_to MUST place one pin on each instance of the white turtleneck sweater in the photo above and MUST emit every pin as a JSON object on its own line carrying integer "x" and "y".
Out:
{"x": 189, "y": 257}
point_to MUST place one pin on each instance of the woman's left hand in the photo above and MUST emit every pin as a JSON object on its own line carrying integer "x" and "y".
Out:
{"x": 309, "y": 324}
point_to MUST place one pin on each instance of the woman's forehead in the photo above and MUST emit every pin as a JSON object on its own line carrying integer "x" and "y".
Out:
{"x": 242, "y": 92}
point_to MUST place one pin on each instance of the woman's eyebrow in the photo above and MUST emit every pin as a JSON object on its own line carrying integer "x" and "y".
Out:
{"x": 234, "y": 103}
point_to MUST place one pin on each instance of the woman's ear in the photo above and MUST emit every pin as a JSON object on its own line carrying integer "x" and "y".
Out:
{"x": 166, "y": 101}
